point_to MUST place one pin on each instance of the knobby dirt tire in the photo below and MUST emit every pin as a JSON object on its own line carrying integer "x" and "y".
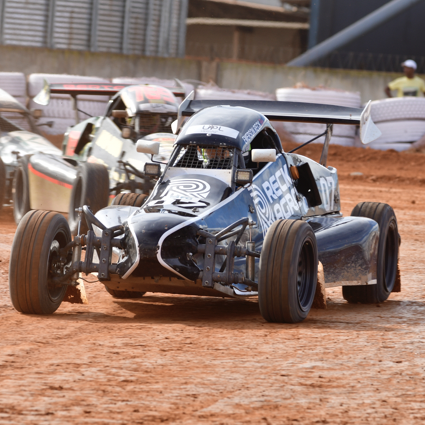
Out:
{"x": 387, "y": 255}
{"x": 122, "y": 295}
{"x": 21, "y": 190}
{"x": 131, "y": 199}
{"x": 288, "y": 272}
{"x": 38, "y": 237}
{"x": 91, "y": 187}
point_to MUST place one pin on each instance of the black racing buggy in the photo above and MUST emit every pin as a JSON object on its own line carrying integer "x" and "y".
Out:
{"x": 232, "y": 215}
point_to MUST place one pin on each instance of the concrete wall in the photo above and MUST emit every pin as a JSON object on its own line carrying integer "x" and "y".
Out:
{"x": 31, "y": 59}
{"x": 233, "y": 75}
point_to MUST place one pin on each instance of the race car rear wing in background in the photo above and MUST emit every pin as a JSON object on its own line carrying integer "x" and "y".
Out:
{"x": 292, "y": 111}
{"x": 74, "y": 89}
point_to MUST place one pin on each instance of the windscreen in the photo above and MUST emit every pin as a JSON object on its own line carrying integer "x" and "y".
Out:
{"x": 204, "y": 157}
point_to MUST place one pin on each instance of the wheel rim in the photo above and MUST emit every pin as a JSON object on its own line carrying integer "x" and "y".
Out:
{"x": 55, "y": 267}
{"x": 390, "y": 257}
{"x": 305, "y": 269}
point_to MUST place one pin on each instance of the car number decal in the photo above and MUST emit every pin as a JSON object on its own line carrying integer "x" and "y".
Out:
{"x": 218, "y": 130}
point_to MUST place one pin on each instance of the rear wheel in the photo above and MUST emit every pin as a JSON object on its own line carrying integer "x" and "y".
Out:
{"x": 35, "y": 261}
{"x": 91, "y": 187}
{"x": 288, "y": 272}
{"x": 21, "y": 190}
{"x": 132, "y": 199}
{"x": 125, "y": 294}
{"x": 387, "y": 255}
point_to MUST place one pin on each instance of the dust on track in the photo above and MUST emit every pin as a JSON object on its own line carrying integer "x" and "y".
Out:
{"x": 181, "y": 359}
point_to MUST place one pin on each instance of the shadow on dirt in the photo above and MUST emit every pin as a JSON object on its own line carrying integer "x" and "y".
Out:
{"x": 237, "y": 314}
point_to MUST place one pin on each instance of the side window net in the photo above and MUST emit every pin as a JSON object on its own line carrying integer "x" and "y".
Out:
{"x": 209, "y": 157}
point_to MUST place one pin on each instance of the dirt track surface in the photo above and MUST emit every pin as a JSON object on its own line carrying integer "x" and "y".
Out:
{"x": 178, "y": 359}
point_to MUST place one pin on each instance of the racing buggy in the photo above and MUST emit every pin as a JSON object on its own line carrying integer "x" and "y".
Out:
{"x": 99, "y": 158}
{"x": 232, "y": 215}
{"x": 19, "y": 136}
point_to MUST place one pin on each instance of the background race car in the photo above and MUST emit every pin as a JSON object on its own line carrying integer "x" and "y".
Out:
{"x": 19, "y": 136}
{"x": 232, "y": 215}
{"x": 99, "y": 157}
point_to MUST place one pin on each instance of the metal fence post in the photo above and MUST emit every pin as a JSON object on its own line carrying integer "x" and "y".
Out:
{"x": 164, "y": 30}
{"x": 51, "y": 25}
{"x": 182, "y": 28}
{"x": 94, "y": 24}
{"x": 2, "y": 10}
{"x": 126, "y": 26}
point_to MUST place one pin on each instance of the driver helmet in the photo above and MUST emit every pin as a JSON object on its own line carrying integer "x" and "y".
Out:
{"x": 150, "y": 108}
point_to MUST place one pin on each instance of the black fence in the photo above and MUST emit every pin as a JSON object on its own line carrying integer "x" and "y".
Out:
{"x": 369, "y": 61}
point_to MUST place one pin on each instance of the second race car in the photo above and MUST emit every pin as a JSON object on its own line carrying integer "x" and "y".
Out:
{"x": 99, "y": 157}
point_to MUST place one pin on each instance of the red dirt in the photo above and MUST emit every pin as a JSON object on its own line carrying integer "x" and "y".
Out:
{"x": 181, "y": 359}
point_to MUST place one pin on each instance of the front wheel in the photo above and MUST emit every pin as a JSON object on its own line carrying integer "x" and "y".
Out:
{"x": 288, "y": 272}
{"x": 35, "y": 260}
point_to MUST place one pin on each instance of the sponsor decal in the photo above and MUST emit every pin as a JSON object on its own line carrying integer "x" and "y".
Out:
{"x": 189, "y": 189}
{"x": 110, "y": 143}
{"x": 274, "y": 198}
{"x": 252, "y": 132}
{"x": 217, "y": 130}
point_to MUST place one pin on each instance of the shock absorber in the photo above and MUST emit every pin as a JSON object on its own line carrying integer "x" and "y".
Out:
{"x": 250, "y": 262}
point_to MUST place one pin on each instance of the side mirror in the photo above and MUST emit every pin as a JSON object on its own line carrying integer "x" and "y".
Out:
{"x": 116, "y": 113}
{"x": 174, "y": 126}
{"x": 144, "y": 146}
{"x": 152, "y": 170}
{"x": 244, "y": 177}
{"x": 263, "y": 155}
{"x": 36, "y": 113}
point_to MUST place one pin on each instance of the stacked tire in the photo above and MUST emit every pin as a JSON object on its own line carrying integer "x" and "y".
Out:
{"x": 14, "y": 83}
{"x": 401, "y": 121}
{"x": 212, "y": 92}
{"x": 342, "y": 134}
{"x": 60, "y": 109}
{"x": 152, "y": 80}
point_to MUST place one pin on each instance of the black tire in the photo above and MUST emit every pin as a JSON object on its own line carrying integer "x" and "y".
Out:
{"x": 132, "y": 199}
{"x": 122, "y": 295}
{"x": 91, "y": 187}
{"x": 38, "y": 237}
{"x": 387, "y": 256}
{"x": 288, "y": 272}
{"x": 2, "y": 183}
{"x": 21, "y": 190}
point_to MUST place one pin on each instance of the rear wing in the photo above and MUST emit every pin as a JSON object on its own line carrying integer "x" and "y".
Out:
{"x": 76, "y": 89}
{"x": 292, "y": 112}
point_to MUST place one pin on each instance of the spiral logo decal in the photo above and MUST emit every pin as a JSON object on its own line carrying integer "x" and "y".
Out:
{"x": 187, "y": 189}
{"x": 264, "y": 212}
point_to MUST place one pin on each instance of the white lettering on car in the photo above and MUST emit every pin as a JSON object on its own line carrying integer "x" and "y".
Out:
{"x": 252, "y": 132}
{"x": 218, "y": 130}
{"x": 274, "y": 200}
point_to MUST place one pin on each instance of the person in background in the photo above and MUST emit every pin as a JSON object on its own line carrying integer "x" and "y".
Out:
{"x": 409, "y": 85}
